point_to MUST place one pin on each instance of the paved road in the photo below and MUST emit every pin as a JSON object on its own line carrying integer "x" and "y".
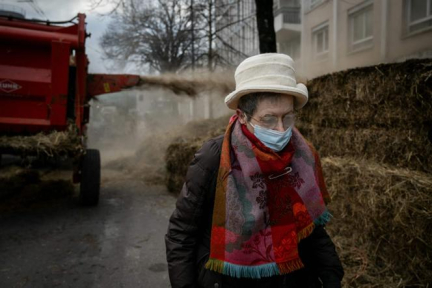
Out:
{"x": 117, "y": 244}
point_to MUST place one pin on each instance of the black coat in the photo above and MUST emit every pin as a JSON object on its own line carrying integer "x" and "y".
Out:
{"x": 188, "y": 237}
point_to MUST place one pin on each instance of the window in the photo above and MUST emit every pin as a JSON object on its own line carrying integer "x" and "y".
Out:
{"x": 320, "y": 36}
{"x": 419, "y": 15}
{"x": 291, "y": 48}
{"x": 361, "y": 26}
{"x": 314, "y": 3}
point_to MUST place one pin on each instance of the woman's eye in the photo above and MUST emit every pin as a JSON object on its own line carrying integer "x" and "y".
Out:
{"x": 289, "y": 118}
{"x": 268, "y": 120}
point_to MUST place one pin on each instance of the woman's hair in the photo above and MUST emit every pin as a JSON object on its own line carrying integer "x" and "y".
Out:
{"x": 249, "y": 103}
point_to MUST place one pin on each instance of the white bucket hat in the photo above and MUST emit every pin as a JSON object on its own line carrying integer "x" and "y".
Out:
{"x": 270, "y": 72}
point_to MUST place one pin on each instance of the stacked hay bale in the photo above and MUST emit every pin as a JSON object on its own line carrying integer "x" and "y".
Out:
{"x": 180, "y": 153}
{"x": 381, "y": 113}
{"x": 382, "y": 222}
{"x": 372, "y": 127}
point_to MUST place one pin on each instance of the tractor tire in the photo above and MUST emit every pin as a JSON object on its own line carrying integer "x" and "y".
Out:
{"x": 90, "y": 178}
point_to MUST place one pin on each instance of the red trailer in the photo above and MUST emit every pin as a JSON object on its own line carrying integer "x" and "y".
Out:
{"x": 45, "y": 87}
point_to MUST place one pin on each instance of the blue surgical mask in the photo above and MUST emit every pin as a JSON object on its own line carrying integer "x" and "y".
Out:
{"x": 273, "y": 139}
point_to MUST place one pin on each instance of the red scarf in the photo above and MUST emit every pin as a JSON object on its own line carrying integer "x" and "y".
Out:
{"x": 266, "y": 202}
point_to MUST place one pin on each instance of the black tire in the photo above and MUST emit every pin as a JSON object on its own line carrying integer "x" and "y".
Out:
{"x": 90, "y": 178}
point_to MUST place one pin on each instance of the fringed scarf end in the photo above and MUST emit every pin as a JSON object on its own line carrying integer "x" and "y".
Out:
{"x": 288, "y": 267}
{"x": 240, "y": 271}
{"x": 305, "y": 232}
{"x": 215, "y": 265}
{"x": 323, "y": 219}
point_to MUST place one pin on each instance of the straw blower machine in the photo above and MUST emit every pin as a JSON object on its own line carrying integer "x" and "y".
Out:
{"x": 45, "y": 92}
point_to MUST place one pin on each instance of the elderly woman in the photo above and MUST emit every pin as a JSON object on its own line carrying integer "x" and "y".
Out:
{"x": 253, "y": 208}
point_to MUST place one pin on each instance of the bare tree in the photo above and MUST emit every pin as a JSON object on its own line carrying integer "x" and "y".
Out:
{"x": 155, "y": 34}
{"x": 215, "y": 24}
{"x": 167, "y": 35}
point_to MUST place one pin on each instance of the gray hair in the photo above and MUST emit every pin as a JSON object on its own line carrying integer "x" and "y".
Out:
{"x": 249, "y": 103}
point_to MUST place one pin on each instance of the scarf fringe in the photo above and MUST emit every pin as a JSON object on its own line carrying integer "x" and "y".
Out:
{"x": 320, "y": 221}
{"x": 215, "y": 265}
{"x": 323, "y": 219}
{"x": 288, "y": 267}
{"x": 240, "y": 271}
{"x": 305, "y": 231}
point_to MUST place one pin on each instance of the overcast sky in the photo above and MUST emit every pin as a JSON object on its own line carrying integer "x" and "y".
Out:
{"x": 59, "y": 10}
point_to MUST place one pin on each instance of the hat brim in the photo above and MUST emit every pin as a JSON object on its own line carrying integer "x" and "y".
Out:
{"x": 301, "y": 96}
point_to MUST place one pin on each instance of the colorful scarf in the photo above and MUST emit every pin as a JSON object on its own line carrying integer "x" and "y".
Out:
{"x": 265, "y": 203}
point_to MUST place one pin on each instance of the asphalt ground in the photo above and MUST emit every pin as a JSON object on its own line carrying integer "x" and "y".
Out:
{"x": 52, "y": 241}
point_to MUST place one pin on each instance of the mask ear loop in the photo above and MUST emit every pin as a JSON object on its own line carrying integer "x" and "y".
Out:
{"x": 288, "y": 170}
{"x": 246, "y": 118}
{"x": 247, "y": 121}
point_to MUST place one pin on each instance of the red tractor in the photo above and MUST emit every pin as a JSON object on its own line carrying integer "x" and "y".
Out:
{"x": 45, "y": 88}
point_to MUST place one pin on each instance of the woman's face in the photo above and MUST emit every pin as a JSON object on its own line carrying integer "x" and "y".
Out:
{"x": 270, "y": 108}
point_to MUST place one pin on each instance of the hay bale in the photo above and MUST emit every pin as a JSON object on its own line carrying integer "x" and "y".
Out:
{"x": 381, "y": 112}
{"x": 178, "y": 156}
{"x": 405, "y": 84}
{"x": 383, "y": 222}
{"x": 359, "y": 114}
{"x": 180, "y": 152}
{"x": 52, "y": 144}
{"x": 409, "y": 148}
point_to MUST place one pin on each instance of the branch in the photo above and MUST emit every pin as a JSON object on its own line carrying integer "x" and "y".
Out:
{"x": 231, "y": 47}
{"x": 232, "y": 23}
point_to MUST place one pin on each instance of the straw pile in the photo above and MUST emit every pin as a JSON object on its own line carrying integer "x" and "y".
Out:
{"x": 372, "y": 127}
{"x": 381, "y": 113}
{"x": 181, "y": 151}
{"x": 53, "y": 144}
{"x": 176, "y": 155}
{"x": 383, "y": 222}
{"x": 408, "y": 148}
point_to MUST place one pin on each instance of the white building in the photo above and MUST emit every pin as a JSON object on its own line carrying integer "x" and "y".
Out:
{"x": 324, "y": 36}
{"x": 338, "y": 34}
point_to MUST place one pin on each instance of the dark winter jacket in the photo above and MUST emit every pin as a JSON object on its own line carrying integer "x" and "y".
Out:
{"x": 188, "y": 237}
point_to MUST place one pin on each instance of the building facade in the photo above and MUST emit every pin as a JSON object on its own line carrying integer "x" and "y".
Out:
{"x": 324, "y": 36}
{"x": 287, "y": 24}
{"x": 339, "y": 34}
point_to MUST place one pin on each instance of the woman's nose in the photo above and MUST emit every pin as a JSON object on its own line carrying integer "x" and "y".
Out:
{"x": 279, "y": 126}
